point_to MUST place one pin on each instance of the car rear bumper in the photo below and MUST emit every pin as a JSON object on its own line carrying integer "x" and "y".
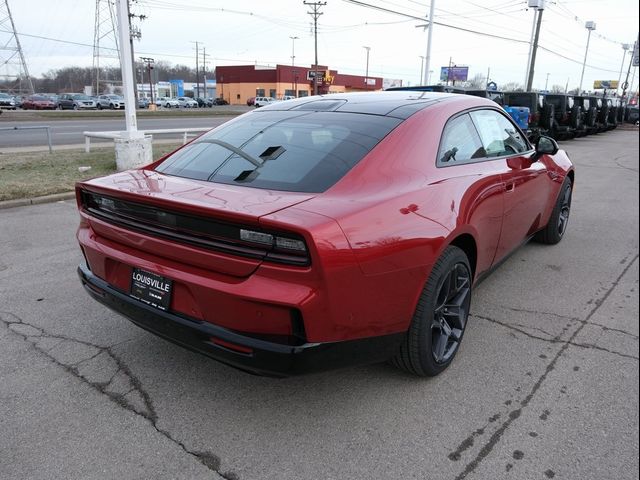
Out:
{"x": 240, "y": 351}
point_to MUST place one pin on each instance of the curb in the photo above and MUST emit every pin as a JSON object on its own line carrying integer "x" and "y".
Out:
{"x": 23, "y": 202}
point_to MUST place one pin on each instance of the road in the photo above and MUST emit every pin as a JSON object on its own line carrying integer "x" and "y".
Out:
{"x": 545, "y": 384}
{"x": 69, "y": 132}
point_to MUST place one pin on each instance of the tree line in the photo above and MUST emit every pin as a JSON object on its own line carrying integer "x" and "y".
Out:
{"x": 74, "y": 78}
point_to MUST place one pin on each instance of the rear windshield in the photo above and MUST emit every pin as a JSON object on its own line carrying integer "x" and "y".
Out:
{"x": 297, "y": 151}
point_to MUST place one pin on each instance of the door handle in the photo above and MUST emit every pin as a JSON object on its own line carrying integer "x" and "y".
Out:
{"x": 510, "y": 187}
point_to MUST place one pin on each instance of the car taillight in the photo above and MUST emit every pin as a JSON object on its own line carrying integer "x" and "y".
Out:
{"x": 282, "y": 248}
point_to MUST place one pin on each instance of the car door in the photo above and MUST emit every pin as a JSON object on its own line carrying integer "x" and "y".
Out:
{"x": 476, "y": 184}
{"x": 526, "y": 183}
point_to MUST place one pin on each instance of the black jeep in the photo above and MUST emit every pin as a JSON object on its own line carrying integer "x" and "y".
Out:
{"x": 612, "y": 119}
{"x": 603, "y": 114}
{"x": 589, "y": 106}
{"x": 540, "y": 113}
{"x": 494, "y": 95}
{"x": 568, "y": 118}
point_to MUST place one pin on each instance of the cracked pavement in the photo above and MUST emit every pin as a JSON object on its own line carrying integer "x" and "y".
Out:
{"x": 545, "y": 385}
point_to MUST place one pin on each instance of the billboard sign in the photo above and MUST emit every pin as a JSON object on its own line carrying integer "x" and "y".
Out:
{"x": 391, "y": 82}
{"x": 600, "y": 84}
{"x": 456, "y": 74}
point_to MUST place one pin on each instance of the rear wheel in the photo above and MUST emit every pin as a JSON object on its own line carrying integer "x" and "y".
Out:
{"x": 99, "y": 107}
{"x": 557, "y": 226}
{"x": 440, "y": 318}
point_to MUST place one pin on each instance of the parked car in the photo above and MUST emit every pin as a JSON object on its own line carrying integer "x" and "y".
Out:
{"x": 220, "y": 101}
{"x": 568, "y": 118}
{"x": 204, "y": 102}
{"x": 38, "y": 102}
{"x": 540, "y": 113}
{"x": 187, "y": 102}
{"x": 589, "y": 109}
{"x": 632, "y": 114}
{"x": 143, "y": 102}
{"x": 262, "y": 101}
{"x": 603, "y": 114}
{"x": 612, "y": 119}
{"x": 75, "y": 101}
{"x": 110, "y": 101}
{"x": 7, "y": 102}
{"x": 495, "y": 95}
{"x": 281, "y": 243}
{"x": 167, "y": 102}
{"x": 18, "y": 101}
{"x": 287, "y": 97}
{"x": 251, "y": 101}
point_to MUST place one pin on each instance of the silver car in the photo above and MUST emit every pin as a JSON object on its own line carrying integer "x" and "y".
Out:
{"x": 110, "y": 101}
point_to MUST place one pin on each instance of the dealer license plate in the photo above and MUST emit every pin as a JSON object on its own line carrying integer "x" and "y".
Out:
{"x": 150, "y": 288}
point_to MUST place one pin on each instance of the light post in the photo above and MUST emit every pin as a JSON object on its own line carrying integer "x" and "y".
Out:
{"x": 429, "y": 77}
{"x": 546, "y": 84}
{"x": 591, "y": 26}
{"x": 421, "y": 57}
{"x": 625, "y": 47}
{"x": 293, "y": 50}
{"x": 366, "y": 72}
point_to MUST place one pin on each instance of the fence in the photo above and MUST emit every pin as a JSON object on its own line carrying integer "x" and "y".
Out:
{"x": 116, "y": 134}
{"x": 47, "y": 128}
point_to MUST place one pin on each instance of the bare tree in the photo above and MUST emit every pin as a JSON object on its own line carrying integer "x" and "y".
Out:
{"x": 557, "y": 89}
{"x": 512, "y": 87}
{"x": 478, "y": 82}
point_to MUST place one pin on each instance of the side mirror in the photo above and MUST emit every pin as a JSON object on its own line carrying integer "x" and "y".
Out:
{"x": 546, "y": 146}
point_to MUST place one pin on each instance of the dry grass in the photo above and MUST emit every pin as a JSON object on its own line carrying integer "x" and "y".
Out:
{"x": 28, "y": 175}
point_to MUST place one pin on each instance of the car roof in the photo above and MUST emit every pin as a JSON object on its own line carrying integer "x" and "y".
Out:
{"x": 399, "y": 104}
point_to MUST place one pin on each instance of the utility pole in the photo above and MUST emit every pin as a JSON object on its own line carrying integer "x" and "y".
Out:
{"x": 532, "y": 66}
{"x": 315, "y": 13}
{"x": 197, "y": 70}
{"x": 204, "y": 71}
{"x": 591, "y": 26}
{"x": 105, "y": 40}
{"x": 421, "y": 57}
{"x": 632, "y": 61}
{"x": 149, "y": 61}
{"x": 488, "y": 76}
{"x": 133, "y": 148}
{"x": 134, "y": 32}
{"x": 429, "y": 36}
{"x": 546, "y": 83}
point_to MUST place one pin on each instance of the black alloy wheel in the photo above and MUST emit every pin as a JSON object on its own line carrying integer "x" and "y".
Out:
{"x": 440, "y": 317}
{"x": 450, "y": 314}
{"x": 557, "y": 226}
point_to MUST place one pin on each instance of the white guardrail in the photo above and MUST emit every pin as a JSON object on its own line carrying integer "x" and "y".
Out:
{"x": 117, "y": 134}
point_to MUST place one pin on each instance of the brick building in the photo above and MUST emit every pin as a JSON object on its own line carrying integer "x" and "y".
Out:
{"x": 238, "y": 83}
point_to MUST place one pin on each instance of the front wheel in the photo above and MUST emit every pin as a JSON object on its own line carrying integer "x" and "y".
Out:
{"x": 557, "y": 226}
{"x": 440, "y": 318}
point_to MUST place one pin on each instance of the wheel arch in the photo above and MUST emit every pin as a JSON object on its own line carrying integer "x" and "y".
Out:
{"x": 467, "y": 243}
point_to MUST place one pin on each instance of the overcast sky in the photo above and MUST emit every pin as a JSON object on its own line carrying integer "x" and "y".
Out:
{"x": 251, "y": 31}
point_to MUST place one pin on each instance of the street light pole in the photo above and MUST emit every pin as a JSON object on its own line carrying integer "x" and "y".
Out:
{"x": 546, "y": 83}
{"x": 421, "y": 67}
{"x": 366, "y": 72}
{"x": 589, "y": 26}
{"x": 625, "y": 47}
{"x": 293, "y": 50}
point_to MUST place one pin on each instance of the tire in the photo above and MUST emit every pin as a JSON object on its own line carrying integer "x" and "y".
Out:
{"x": 557, "y": 226}
{"x": 60, "y": 107}
{"x": 111, "y": 106}
{"x": 75, "y": 107}
{"x": 440, "y": 318}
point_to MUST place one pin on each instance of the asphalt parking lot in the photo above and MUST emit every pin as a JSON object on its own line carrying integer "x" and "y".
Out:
{"x": 545, "y": 385}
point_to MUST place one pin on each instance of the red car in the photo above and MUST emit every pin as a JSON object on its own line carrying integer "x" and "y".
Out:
{"x": 324, "y": 231}
{"x": 38, "y": 102}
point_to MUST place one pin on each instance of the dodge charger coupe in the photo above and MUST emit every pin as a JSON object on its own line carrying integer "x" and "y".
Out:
{"x": 324, "y": 231}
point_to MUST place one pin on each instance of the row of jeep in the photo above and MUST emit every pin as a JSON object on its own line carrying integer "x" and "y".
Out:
{"x": 560, "y": 116}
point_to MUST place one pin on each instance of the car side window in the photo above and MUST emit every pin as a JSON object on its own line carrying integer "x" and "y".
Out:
{"x": 499, "y": 136}
{"x": 460, "y": 142}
